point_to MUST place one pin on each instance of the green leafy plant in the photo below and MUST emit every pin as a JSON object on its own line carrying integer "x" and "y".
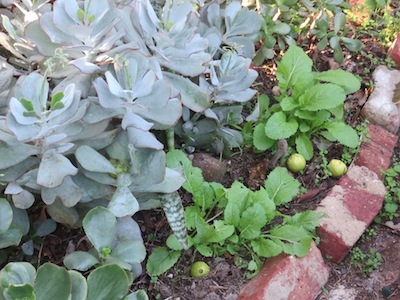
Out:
{"x": 367, "y": 262}
{"x": 310, "y": 106}
{"x": 237, "y": 220}
{"x": 392, "y": 196}
{"x": 291, "y": 22}
{"x": 20, "y": 280}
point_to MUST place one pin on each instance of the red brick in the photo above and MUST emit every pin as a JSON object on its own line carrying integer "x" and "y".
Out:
{"x": 376, "y": 154}
{"x": 374, "y": 158}
{"x": 351, "y": 206}
{"x": 382, "y": 137}
{"x": 394, "y": 52}
{"x": 289, "y": 278}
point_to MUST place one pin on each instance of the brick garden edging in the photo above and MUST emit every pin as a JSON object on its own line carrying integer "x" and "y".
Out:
{"x": 352, "y": 204}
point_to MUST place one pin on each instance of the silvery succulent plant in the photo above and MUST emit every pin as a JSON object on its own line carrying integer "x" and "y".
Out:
{"x": 99, "y": 82}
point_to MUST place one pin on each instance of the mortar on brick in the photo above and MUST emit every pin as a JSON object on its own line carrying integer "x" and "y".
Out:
{"x": 367, "y": 179}
{"x": 339, "y": 218}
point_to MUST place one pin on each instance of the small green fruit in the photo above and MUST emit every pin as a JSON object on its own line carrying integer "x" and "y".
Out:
{"x": 199, "y": 269}
{"x": 337, "y": 168}
{"x": 296, "y": 163}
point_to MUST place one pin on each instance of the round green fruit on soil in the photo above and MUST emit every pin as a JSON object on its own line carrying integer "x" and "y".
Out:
{"x": 337, "y": 168}
{"x": 296, "y": 163}
{"x": 199, "y": 269}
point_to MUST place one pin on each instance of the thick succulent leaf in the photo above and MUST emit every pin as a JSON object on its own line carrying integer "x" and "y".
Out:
{"x": 130, "y": 251}
{"x": 143, "y": 139}
{"x": 12, "y": 155}
{"x": 127, "y": 229}
{"x": 100, "y": 227}
{"x": 68, "y": 192}
{"x": 21, "y": 219}
{"x": 47, "y": 284}
{"x": 131, "y": 119}
{"x": 80, "y": 260}
{"x": 16, "y": 273}
{"x": 79, "y": 285}
{"x": 147, "y": 166}
{"x": 36, "y": 34}
{"x": 6, "y": 215}
{"x": 107, "y": 282}
{"x": 158, "y": 106}
{"x": 173, "y": 180}
{"x": 53, "y": 169}
{"x": 191, "y": 95}
{"x": 91, "y": 189}
{"x": 106, "y": 98}
{"x": 123, "y": 203}
{"x": 93, "y": 161}
{"x": 12, "y": 237}
{"x": 64, "y": 215}
{"x": 23, "y": 200}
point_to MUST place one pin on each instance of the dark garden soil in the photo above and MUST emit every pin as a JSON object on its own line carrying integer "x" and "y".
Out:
{"x": 226, "y": 279}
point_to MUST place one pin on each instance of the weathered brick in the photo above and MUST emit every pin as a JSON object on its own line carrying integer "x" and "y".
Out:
{"x": 351, "y": 206}
{"x": 394, "y": 52}
{"x": 382, "y": 137}
{"x": 376, "y": 154}
{"x": 374, "y": 157}
{"x": 289, "y": 278}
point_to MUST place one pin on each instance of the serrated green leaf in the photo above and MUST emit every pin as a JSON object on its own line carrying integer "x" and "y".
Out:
{"x": 343, "y": 133}
{"x": 261, "y": 197}
{"x": 160, "y": 260}
{"x": 304, "y": 146}
{"x": 346, "y": 80}
{"x": 294, "y": 69}
{"x": 309, "y": 220}
{"x": 176, "y": 159}
{"x": 288, "y": 104}
{"x": 322, "y": 96}
{"x": 251, "y": 222}
{"x": 296, "y": 240}
{"x": 280, "y": 186}
{"x": 205, "y": 250}
{"x": 278, "y": 127}
{"x": 266, "y": 247}
{"x": 192, "y": 213}
{"x": 260, "y": 139}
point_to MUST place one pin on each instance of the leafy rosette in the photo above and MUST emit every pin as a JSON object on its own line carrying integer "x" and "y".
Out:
{"x": 235, "y": 26}
{"x": 173, "y": 39}
{"x": 230, "y": 79}
{"x": 141, "y": 96}
{"x": 40, "y": 133}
